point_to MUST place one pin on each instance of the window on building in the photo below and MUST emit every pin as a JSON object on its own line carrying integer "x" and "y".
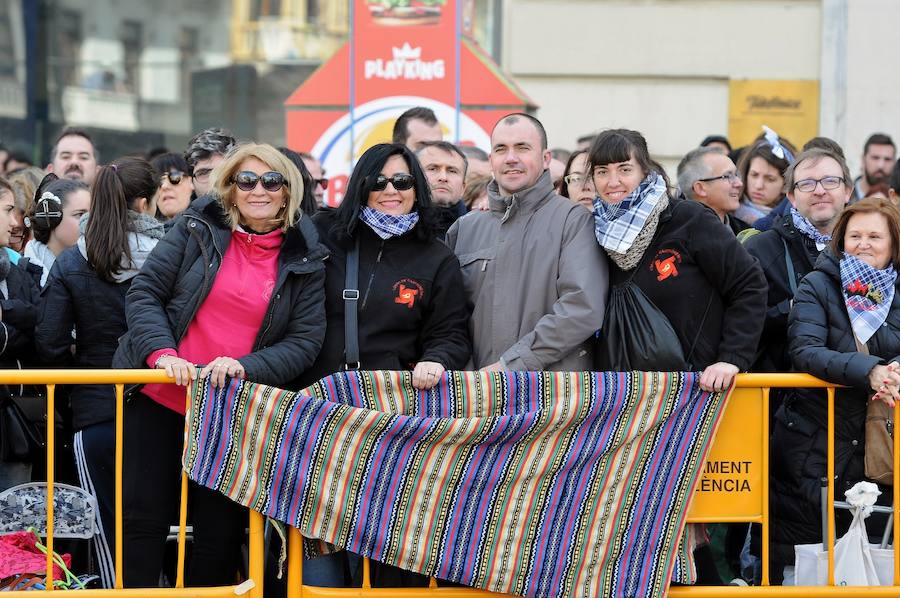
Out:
{"x": 486, "y": 25}
{"x": 7, "y": 51}
{"x": 264, "y": 8}
{"x": 65, "y": 49}
{"x": 188, "y": 48}
{"x": 313, "y": 12}
{"x": 132, "y": 38}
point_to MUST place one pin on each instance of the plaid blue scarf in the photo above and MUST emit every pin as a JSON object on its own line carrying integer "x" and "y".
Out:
{"x": 807, "y": 229}
{"x": 868, "y": 294}
{"x": 617, "y": 225}
{"x": 388, "y": 225}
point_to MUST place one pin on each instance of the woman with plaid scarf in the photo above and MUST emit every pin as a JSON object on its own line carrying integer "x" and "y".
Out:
{"x": 844, "y": 327}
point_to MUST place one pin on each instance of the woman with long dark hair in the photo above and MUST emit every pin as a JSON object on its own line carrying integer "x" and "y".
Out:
{"x": 85, "y": 292}
{"x": 409, "y": 300}
{"x": 236, "y": 285}
{"x": 176, "y": 186}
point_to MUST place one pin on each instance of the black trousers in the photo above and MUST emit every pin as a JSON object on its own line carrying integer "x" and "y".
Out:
{"x": 154, "y": 436}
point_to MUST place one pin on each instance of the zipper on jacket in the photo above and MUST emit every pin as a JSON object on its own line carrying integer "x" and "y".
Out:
{"x": 372, "y": 276}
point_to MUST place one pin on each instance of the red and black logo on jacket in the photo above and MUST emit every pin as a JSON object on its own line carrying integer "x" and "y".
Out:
{"x": 665, "y": 264}
{"x": 407, "y": 292}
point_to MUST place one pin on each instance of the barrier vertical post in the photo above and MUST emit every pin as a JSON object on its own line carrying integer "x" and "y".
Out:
{"x": 295, "y": 563}
{"x": 120, "y": 449}
{"x": 765, "y": 486}
{"x": 830, "y": 473}
{"x": 257, "y": 542}
{"x": 51, "y": 451}
{"x": 182, "y": 510}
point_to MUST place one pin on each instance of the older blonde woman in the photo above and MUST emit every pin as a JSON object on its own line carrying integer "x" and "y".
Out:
{"x": 237, "y": 285}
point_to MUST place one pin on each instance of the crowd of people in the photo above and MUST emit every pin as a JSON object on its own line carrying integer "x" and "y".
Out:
{"x": 223, "y": 261}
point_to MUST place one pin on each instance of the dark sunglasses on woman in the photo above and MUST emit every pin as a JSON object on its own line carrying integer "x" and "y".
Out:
{"x": 271, "y": 181}
{"x": 174, "y": 176}
{"x": 401, "y": 182}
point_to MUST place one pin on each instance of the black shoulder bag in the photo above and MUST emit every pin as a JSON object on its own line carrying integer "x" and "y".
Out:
{"x": 351, "y": 316}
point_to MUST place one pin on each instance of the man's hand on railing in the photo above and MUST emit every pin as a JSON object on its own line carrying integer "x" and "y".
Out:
{"x": 181, "y": 369}
{"x": 885, "y": 381}
{"x": 718, "y": 376}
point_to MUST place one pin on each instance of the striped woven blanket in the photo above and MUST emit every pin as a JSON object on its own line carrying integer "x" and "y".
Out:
{"x": 529, "y": 483}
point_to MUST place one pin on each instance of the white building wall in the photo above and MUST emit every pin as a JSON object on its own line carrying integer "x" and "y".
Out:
{"x": 659, "y": 66}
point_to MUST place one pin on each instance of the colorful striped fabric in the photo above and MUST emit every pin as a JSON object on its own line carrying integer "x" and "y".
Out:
{"x": 529, "y": 483}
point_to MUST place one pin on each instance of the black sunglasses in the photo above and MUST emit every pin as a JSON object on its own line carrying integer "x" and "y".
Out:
{"x": 401, "y": 182}
{"x": 174, "y": 176}
{"x": 271, "y": 181}
{"x": 323, "y": 182}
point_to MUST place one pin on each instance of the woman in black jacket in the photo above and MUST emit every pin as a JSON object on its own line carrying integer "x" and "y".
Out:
{"x": 409, "y": 301}
{"x": 85, "y": 292}
{"x": 850, "y": 296}
{"x": 236, "y": 285}
{"x": 18, "y": 315}
{"x": 680, "y": 255}
{"x": 411, "y": 308}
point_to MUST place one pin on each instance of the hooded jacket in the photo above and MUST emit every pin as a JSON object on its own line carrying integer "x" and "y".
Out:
{"x": 535, "y": 278}
{"x": 822, "y": 344}
{"x": 178, "y": 276}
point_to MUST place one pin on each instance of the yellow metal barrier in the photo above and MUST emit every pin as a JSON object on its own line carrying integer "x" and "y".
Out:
{"x": 734, "y": 488}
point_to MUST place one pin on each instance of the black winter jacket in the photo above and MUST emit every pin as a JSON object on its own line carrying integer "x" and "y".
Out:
{"x": 75, "y": 297}
{"x": 769, "y": 250}
{"x": 18, "y": 316}
{"x": 412, "y": 303}
{"x": 694, "y": 265}
{"x": 822, "y": 344}
{"x": 179, "y": 273}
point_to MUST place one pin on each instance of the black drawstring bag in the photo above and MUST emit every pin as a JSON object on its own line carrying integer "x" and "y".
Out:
{"x": 20, "y": 439}
{"x": 636, "y": 336}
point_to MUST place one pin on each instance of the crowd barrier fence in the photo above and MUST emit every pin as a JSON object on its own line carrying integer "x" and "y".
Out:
{"x": 733, "y": 489}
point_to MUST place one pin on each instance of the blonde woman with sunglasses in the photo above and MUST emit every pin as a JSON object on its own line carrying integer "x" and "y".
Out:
{"x": 236, "y": 288}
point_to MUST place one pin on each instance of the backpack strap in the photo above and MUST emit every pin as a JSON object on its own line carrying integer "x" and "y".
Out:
{"x": 351, "y": 316}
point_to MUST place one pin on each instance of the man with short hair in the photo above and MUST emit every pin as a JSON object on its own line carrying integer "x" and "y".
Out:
{"x": 535, "y": 276}
{"x": 879, "y": 154}
{"x": 445, "y": 168}
{"x": 204, "y": 152}
{"x": 478, "y": 161}
{"x": 818, "y": 189}
{"x": 74, "y": 156}
{"x": 709, "y": 176}
{"x": 318, "y": 174}
{"x": 415, "y": 126}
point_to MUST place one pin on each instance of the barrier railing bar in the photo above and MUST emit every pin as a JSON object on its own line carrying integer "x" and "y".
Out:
{"x": 51, "y": 444}
{"x": 120, "y": 450}
{"x": 764, "y": 414}
{"x": 830, "y": 474}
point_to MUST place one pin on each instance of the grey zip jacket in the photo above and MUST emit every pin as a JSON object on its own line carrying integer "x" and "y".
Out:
{"x": 536, "y": 280}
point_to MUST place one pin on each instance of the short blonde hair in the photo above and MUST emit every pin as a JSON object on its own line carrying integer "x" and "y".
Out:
{"x": 224, "y": 187}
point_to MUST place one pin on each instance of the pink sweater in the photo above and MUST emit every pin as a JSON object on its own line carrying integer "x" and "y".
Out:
{"x": 228, "y": 321}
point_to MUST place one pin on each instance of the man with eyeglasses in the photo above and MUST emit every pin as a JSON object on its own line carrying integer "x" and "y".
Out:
{"x": 710, "y": 177}
{"x": 818, "y": 188}
{"x": 318, "y": 174}
{"x": 204, "y": 152}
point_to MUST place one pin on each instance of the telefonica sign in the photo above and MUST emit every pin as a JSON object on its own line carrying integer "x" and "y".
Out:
{"x": 407, "y": 64}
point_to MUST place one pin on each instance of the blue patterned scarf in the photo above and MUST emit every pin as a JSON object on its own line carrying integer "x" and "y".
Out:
{"x": 868, "y": 294}
{"x": 388, "y": 225}
{"x": 806, "y": 228}
{"x": 617, "y": 225}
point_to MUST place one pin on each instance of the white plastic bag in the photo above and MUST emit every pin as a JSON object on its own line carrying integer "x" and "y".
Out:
{"x": 854, "y": 558}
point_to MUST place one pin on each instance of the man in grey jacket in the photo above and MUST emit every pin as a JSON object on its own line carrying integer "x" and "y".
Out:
{"x": 535, "y": 277}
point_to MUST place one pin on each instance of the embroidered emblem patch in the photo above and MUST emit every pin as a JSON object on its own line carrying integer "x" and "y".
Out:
{"x": 666, "y": 264}
{"x": 408, "y": 292}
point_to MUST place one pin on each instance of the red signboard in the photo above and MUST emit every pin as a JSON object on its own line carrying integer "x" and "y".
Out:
{"x": 402, "y": 53}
